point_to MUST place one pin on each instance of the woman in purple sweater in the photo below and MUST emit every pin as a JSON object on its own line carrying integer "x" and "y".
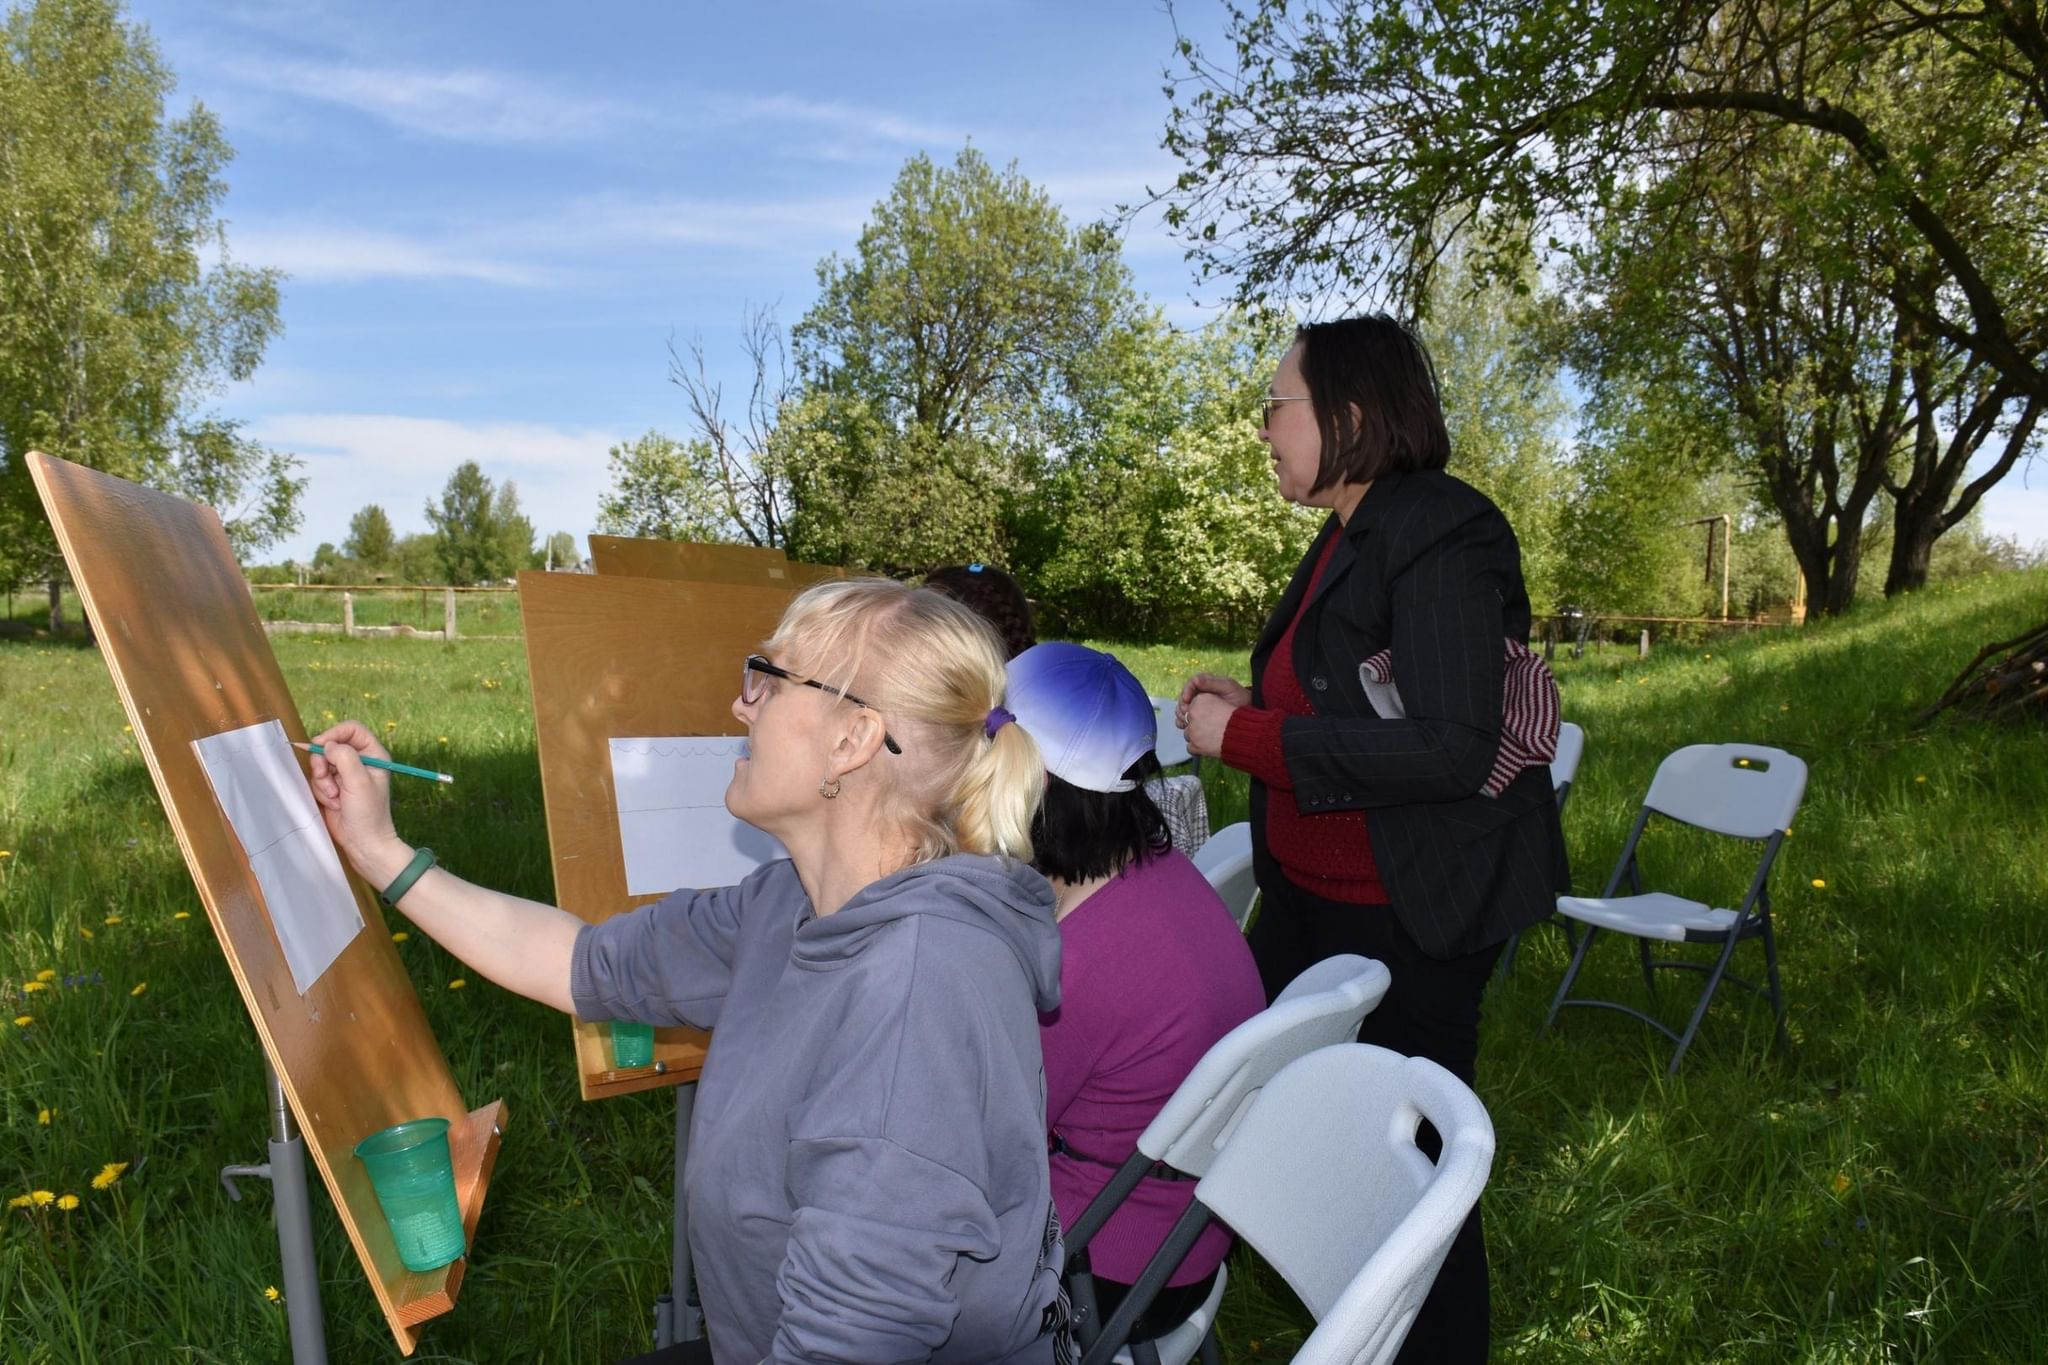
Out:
{"x": 1153, "y": 969}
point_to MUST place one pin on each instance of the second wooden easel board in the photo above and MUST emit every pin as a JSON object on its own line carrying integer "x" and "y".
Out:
{"x": 614, "y": 659}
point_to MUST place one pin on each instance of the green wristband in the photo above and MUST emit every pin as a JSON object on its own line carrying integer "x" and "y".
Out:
{"x": 414, "y": 870}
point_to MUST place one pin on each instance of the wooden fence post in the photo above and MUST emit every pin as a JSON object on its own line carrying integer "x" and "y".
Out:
{"x": 448, "y": 613}
{"x": 348, "y": 613}
{"x": 56, "y": 606}
{"x": 1643, "y": 646}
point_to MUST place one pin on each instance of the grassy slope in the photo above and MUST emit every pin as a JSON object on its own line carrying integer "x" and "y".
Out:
{"x": 1875, "y": 1195}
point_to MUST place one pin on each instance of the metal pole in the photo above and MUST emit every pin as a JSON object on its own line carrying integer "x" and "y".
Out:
{"x": 677, "y": 1315}
{"x": 1727, "y": 524}
{"x": 293, "y": 1212}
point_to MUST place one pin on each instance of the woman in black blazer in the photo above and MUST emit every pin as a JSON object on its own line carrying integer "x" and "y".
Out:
{"x": 1387, "y": 820}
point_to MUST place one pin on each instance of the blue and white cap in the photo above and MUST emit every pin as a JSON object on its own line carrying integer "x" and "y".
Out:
{"x": 1089, "y": 715}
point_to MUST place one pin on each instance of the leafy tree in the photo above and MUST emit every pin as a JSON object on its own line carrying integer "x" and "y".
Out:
{"x": 417, "y": 558}
{"x": 479, "y": 532}
{"x": 664, "y": 489}
{"x": 966, "y": 304}
{"x": 1505, "y": 409}
{"x": 1341, "y": 147}
{"x": 1165, "y": 518}
{"x": 558, "y": 553}
{"x": 370, "y": 538}
{"x": 121, "y": 312}
{"x": 943, "y": 369}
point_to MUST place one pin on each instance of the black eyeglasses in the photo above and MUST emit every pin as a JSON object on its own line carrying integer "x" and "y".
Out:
{"x": 1267, "y": 418}
{"x": 750, "y": 689}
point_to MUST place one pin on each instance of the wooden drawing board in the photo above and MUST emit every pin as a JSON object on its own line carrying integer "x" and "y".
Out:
{"x": 180, "y": 634}
{"x": 620, "y": 556}
{"x": 611, "y": 658}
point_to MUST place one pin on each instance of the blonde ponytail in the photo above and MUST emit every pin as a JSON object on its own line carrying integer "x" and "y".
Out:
{"x": 935, "y": 672}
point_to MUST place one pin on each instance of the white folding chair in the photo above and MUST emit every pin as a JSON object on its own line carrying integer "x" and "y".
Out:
{"x": 1225, "y": 858}
{"x": 1322, "y": 1178}
{"x": 1170, "y": 741}
{"x": 1324, "y": 1005}
{"x": 1743, "y": 791}
{"x": 1564, "y": 770}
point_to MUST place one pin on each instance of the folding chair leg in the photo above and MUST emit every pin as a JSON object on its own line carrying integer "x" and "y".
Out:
{"x": 1777, "y": 991}
{"x": 1649, "y": 965}
{"x": 1209, "y": 1352}
{"x": 1571, "y": 974}
{"x": 1699, "y": 1011}
{"x": 1144, "y": 1353}
{"x": 1507, "y": 954}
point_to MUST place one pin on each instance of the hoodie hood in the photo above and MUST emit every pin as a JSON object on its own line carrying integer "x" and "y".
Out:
{"x": 998, "y": 896}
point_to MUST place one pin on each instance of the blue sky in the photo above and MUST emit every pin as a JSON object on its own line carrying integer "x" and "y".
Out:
{"x": 495, "y": 216}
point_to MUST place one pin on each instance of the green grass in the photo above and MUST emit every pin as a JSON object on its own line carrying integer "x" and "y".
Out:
{"x": 1874, "y": 1195}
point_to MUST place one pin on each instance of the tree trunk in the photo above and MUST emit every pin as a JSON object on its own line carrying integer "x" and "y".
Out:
{"x": 1912, "y": 550}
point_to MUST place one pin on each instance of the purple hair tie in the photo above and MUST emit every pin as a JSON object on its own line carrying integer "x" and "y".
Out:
{"x": 997, "y": 719}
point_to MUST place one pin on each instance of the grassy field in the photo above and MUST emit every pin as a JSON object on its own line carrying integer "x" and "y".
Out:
{"x": 1876, "y": 1194}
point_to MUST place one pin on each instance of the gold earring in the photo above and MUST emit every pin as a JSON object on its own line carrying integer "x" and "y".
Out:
{"x": 829, "y": 788}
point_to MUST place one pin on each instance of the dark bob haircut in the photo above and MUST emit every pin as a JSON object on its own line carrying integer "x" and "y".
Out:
{"x": 994, "y": 596}
{"x": 1373, "y": 388}
{"x": 1079, "y": 835}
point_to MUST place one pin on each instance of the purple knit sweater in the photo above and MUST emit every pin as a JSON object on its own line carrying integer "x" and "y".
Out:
{"x": 1152, "y": 972}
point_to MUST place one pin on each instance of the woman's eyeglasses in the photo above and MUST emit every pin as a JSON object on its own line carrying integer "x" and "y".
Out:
{"x": 1272, "y": 398}
{"x": 758, "y": 666}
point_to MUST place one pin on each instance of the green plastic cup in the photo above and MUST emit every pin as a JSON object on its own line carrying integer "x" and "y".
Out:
{"x": 632, "y": 1044}
{"x": 415, "y": 1183}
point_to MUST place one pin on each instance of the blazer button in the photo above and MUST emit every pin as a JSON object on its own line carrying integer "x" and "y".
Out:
{"x": 1322, "y": 684}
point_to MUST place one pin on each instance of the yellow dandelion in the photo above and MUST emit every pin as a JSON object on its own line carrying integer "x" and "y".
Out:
{"x": 35, "y": 985}
{"x": 458, "y": 983}
{"x": 1783, "y": 707}
{"x": 389, "y": 726}
{"x": 140, "y": 987}
{"x": 47, "y": 974}
{"x": 67, "y": 1202}
{"x": 23, "y": 1020}
{"x": 1840, "y": 1184}
{"x": 444, "y": 739}
{"x": 6, "y": 853}
{"x": 1710, "y": 656}
{"x": 400, "y": 937}
{"x": 109, "y": 1173}
{"x": 327, "y": 715}
{"x": 113, "y": 919}
{"x": 182, "y": 914}
{"x": 1820, "y": 884}
{"x": 20, "y": 1201}
{"x": 42, "y": 1199}
{"x": 270, "y": 1292}
{"x": 44, "y": 1116}
{"x": 1742, "y": 763}
{"x": 1919, "y": 777}
{"x": 84, "y": 932}
{"x": 127, "y": 729}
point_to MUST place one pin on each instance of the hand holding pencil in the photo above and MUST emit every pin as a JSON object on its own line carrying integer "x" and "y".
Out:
{"x": 355, "y": 799}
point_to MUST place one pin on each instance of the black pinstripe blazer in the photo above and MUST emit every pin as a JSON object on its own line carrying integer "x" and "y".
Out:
{"x": 1429, "y": 566}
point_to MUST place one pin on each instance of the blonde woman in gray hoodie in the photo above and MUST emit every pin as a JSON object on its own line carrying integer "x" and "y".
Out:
{"x": 867, "y": 1178}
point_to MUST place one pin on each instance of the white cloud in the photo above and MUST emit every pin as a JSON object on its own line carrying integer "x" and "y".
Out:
{"x": 314, "y": 253}
{"x": 843, "y": 123}
{"x": 464, "y": 104}
{"x": 402, "y": 463}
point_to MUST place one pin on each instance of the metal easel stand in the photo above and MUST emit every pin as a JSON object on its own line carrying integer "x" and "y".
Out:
{"x": 286, "y": 1172}
{"x": 673, "y": 1324}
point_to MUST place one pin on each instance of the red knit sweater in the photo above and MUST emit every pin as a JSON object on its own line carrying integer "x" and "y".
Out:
{"x": 1328, "y": 854}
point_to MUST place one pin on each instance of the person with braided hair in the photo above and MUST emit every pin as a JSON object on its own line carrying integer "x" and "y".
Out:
{"x": 996, "y": 596}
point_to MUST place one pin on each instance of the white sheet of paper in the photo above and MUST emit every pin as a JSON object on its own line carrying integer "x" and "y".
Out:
{"x": 673, "y": 825}
{"x": 257, "y": 780}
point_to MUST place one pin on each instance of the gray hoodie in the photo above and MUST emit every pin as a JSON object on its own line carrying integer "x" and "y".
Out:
{"x": 867, "y": 1172}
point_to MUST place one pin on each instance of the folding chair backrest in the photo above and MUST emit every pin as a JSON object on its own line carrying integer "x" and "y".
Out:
{"x": 1225, "y": 858}
{"x": 1571, "y": 747}
{"x": 1322, "y": 1006}
{"x": 1748, "y": 791}
{"x": 1324, "y": 1180}
{"x": 1170, "y": 741}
